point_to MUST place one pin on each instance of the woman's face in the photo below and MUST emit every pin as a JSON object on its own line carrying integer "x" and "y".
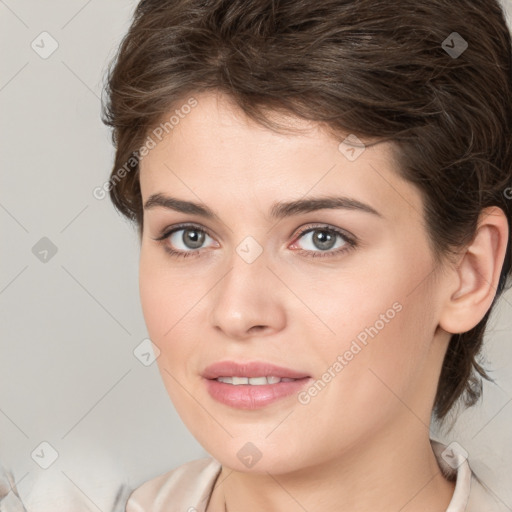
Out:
{"x": 285, "y": 286}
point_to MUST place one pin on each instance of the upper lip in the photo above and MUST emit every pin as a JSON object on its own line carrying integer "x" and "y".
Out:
{"x": 250, "y": 369}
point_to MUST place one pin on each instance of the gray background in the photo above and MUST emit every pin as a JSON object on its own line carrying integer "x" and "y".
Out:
{"x": 70, "y": 322}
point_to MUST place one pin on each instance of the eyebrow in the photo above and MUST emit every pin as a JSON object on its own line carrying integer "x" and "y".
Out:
{"x": 278, "y": 210}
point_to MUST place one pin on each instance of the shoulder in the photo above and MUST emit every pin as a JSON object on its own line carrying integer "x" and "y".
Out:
{"x": 186, "y": 487}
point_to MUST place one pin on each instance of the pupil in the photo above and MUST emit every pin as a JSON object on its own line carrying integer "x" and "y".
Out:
{"x": 195, "y": 240}
{"x": 323, "y": 239}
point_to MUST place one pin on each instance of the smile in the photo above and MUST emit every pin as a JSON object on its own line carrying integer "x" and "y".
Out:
{"x": 253, "y": 381}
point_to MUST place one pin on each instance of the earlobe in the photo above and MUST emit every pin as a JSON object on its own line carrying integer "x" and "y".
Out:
{"x": 478, "y": 274}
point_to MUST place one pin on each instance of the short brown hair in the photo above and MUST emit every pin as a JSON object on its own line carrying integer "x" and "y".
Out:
{"x": 395, "y": 71}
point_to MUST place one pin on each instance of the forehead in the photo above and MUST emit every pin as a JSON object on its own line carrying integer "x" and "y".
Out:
{"x": 215, "y": 148}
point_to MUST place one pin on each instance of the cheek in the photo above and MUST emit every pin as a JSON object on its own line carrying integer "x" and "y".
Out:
{"x": 169, "y": 302}
{"x": 165, "y": 295}
{"x": 384, "y": 326}
{"x": 155, "y": 299}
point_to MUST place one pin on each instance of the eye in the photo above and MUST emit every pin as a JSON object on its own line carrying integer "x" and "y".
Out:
{"x": 188, "y": 238}
{"x": 184, "y": 240}
{"x": 324, "y": 241}
{"x": 321, "y": 241}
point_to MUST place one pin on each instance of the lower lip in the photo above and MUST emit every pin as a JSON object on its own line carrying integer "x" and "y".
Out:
{"x": 245, "y": 396}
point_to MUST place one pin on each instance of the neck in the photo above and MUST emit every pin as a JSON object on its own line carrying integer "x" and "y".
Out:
{"x": 390, "y": 473}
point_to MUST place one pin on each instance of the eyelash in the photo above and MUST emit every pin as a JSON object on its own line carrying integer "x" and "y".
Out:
{"x": 351, "y": 243}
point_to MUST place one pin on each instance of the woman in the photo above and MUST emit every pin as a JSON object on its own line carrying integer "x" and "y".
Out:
{"x": 320, "y": 190}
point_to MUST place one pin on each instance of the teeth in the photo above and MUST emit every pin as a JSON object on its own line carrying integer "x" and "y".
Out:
{"x": 257, "y": 381}
{"x": 253, "y": 381}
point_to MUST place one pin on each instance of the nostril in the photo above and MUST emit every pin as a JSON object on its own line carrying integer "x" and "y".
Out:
{"x": 257, "y": 327}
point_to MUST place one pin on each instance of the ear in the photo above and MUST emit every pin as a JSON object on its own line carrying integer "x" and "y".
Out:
{"x": 477, "y": 274}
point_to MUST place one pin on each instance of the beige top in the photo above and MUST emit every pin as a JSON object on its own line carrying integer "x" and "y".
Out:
{"x": 188, "y": 487}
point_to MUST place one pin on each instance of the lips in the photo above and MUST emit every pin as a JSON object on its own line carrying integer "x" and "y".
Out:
{"x": 226, "y": 383}
{"x": 253, "y": 397}
{"x": 250, "y": 370}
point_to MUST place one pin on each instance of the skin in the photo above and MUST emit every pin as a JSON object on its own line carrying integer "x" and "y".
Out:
{"x": 362, "y": 443}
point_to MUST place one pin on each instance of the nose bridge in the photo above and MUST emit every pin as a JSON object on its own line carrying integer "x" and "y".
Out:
{"x": 247, "y": 296}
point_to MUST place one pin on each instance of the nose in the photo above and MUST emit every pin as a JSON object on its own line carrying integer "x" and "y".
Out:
{"x": 249, "y": 300}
